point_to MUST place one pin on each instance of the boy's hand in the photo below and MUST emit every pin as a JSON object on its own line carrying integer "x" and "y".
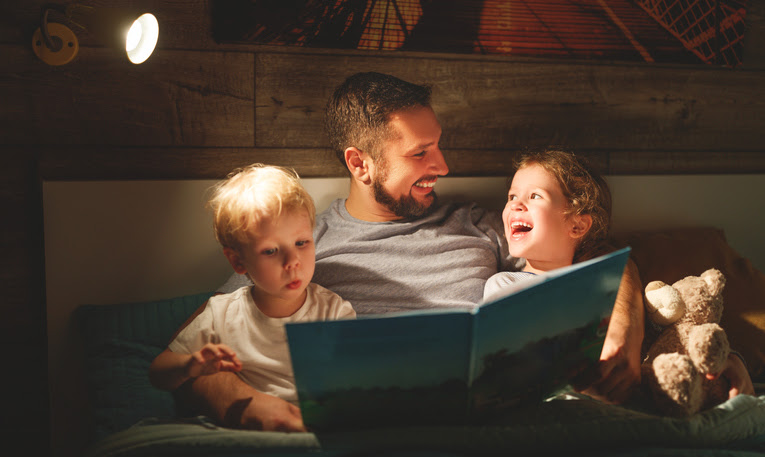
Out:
{"x": 211, "y": 359}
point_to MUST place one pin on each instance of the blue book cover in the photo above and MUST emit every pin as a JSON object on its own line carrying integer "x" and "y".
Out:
{"x": 439, "y": 367}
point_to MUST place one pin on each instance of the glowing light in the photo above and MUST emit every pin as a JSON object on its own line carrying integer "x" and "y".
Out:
{"x": 142, "y": 38}
{"x": 133, "y": 36}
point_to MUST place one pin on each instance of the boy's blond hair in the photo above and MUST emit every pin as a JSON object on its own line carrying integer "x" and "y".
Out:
{"x": 251, "y": 195}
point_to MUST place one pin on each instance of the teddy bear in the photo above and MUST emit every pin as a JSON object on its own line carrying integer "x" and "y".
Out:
{"x": 685, "y": 343}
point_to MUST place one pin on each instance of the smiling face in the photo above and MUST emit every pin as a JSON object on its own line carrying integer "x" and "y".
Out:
{"x": 280, "y": 261}
{"x": 536, "y": 225}
{"x": 409, "y": 165}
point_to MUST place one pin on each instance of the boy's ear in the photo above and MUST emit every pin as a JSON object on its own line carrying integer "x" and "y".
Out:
{"x": 582, "y": 224}
{"x": 358, "y": 163}
{"x": 235, "y": 260}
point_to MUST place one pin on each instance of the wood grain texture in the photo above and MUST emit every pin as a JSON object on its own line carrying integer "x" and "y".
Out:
{"x": 754, "y": 36}
{"x": 516, "y": 104}
{"x": 120, "y": 163}
{"x": 176, "y": 98}
{"x": 183, "y": 24}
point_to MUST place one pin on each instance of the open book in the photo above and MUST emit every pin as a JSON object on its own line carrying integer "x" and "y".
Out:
{"x": 455, "y": 366}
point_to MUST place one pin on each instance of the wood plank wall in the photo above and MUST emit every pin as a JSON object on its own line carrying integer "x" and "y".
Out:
{"x": 197, "y": 109}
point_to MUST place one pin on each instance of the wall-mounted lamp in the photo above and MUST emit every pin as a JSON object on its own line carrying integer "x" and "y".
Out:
{"x": 132, "y": 34}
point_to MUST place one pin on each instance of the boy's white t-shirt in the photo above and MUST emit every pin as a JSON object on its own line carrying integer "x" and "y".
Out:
{"x": 259, "y": 341}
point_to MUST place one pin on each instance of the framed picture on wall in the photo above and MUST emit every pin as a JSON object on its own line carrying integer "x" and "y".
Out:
{"x": 665, "y": 31}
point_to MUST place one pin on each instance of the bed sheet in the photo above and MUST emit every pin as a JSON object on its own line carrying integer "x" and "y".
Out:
{"x": 565, "y": 425}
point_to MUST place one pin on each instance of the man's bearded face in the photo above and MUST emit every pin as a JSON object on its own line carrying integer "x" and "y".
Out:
{"x": 406, "y": 206}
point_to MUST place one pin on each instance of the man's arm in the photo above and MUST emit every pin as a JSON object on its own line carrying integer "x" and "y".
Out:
{"x": 619, "y": 368}
{"x": 234, "y": 403}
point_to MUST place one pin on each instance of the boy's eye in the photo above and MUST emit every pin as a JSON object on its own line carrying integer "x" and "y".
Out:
{"x": 512, "y": 197}
{"x": 419, "y": 154}
{"x": 535, "y": 195}
{"x": 301, "y": 243}
{"x": 271, "y": 251}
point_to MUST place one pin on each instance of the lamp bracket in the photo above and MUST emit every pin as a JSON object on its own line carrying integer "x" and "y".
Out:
{"x": 64, "y": 44}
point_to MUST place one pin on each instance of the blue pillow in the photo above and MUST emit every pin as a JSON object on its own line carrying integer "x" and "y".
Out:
{"x": 120, "y": 343}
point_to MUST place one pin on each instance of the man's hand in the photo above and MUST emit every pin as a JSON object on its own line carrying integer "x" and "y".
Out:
{"x": 234, "y": 403}
{"x": 737, "y": 375}
{"x": 266, "y": 412}
{"x": 618, "y": 372}
{"x": 614, "y": 378}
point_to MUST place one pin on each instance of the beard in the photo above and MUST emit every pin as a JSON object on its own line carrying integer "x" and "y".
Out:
{"x": 406, "y": 206}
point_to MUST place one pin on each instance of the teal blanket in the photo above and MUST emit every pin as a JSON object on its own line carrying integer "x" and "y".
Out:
{"x": 565, "y": 425}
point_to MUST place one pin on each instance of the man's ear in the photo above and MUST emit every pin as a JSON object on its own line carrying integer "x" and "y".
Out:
{"x": 582, "y": 224}
{"x": 358, "y": 163}
{"x": 235, "y": 260}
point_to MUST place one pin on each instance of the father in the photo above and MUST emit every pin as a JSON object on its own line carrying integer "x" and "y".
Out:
{"x": 390, "y": 246}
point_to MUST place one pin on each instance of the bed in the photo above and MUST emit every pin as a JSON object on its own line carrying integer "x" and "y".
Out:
{"x": 131, "y": 418}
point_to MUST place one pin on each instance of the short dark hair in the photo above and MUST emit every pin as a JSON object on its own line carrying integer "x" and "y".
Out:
{"x": 358, "y": 112}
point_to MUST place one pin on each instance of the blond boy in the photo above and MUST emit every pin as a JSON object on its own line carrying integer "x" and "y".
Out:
{"x": 264, "y": 220}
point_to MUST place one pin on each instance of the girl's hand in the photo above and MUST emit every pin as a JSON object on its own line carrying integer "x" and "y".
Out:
{"x": 737, "y": 375}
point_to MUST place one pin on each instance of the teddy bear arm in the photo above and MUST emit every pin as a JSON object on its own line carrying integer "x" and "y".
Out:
{"x": 668, "y": 341}
{"x": 676, "y": 384}
{"x": 708, "y": 347}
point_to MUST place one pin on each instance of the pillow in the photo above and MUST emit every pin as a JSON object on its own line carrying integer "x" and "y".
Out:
{"x": 120, "y": 343}
{"x": 119, "y": 388}
{"x": 672, "y": 254}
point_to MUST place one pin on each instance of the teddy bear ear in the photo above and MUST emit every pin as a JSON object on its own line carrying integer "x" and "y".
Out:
{"x": 715, "y": 281}
{"x": 663, "y": 303}
{"x": 653, "y": 285}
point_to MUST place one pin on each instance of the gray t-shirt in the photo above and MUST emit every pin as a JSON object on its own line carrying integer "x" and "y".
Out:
{"x": 439, "y": 261}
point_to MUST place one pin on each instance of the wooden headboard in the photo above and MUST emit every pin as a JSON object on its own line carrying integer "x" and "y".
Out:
{"x": 199, "y": 115}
